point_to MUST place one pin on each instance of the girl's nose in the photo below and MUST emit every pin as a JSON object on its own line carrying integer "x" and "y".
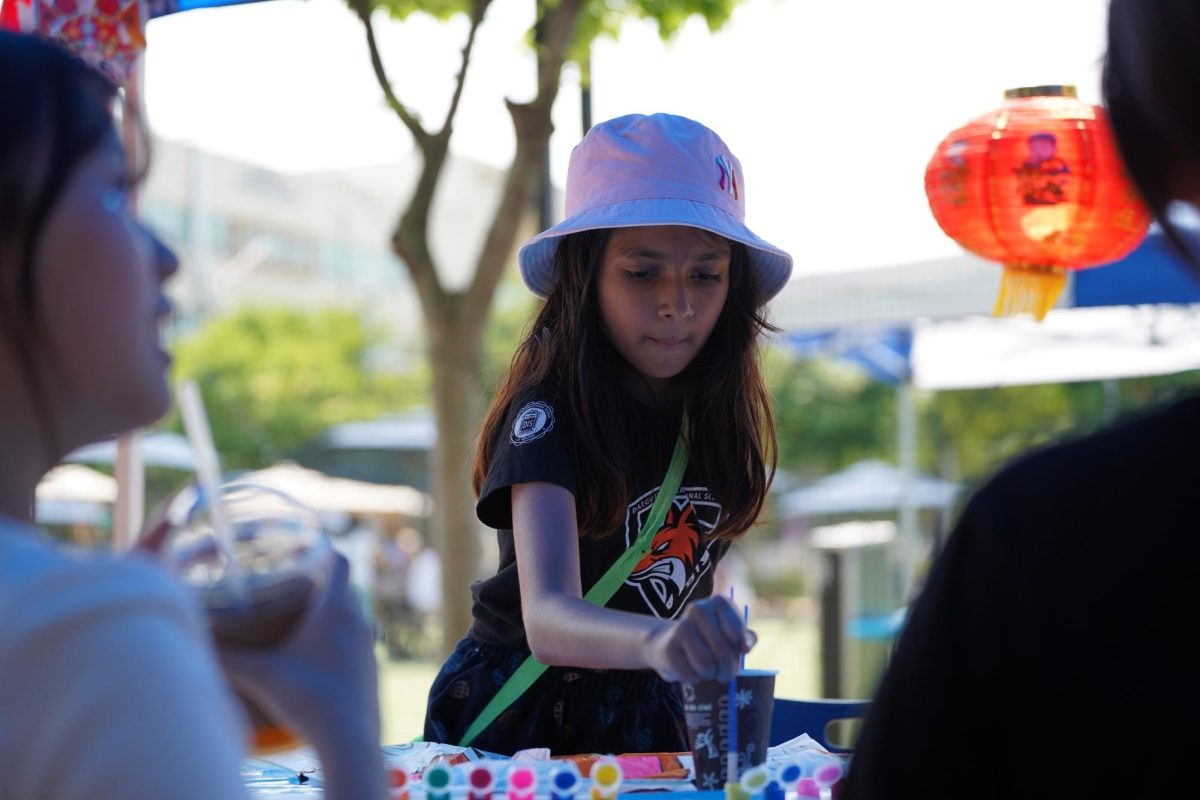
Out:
{"x": 676, "y": 299}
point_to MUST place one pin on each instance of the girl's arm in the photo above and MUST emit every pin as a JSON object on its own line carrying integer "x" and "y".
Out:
{"x": 563, "y": 629}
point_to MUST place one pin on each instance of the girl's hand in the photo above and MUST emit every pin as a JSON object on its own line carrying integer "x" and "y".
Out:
{"x": 705, "y": 643}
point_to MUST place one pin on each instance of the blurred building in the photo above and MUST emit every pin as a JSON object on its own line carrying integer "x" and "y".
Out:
{"x": 251, "y": 236}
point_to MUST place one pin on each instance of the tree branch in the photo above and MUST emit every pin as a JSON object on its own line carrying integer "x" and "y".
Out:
{"x": 478, "y": 8}
{"x": 363, "y": 9}
{"x": 533, "y": 127}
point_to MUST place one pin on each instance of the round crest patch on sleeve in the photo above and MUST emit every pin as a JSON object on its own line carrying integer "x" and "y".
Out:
{"x": 534, "y": 421}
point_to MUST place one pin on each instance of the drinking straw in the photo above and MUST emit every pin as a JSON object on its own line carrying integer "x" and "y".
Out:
{"x": 746, "y": 623}
{"x": 208, "y": 473}
{"x": 731, "y": 774}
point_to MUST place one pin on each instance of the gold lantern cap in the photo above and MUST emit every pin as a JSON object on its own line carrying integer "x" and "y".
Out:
{"x": 1060, "y": 90}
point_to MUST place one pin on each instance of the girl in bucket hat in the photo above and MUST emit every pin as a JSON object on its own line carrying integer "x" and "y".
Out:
{"x": 641, "y": 363}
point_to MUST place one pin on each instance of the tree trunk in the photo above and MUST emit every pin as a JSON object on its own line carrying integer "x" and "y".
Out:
{"x": 455, "y": 352}
{"x": 455, "y": 320}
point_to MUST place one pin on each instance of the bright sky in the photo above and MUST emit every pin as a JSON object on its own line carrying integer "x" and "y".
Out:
{"x": 833, "y": 106}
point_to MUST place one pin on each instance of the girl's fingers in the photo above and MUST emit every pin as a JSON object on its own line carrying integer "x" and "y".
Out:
{"x": 696, "y": 652}
{"x": 711, "y": 628}
{"x": 733, "y": 627}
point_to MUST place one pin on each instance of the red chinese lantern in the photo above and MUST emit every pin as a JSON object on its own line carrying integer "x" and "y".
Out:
{"x": 1037, "y": 185}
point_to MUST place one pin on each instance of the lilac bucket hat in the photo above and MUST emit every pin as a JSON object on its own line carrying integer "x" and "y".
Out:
{"x": 654, "y": 170}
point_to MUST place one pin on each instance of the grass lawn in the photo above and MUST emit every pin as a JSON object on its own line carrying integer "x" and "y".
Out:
{"x": 788, "y": 645}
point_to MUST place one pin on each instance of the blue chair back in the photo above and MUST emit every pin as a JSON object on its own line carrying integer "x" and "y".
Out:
{"x": 791, "y": 718}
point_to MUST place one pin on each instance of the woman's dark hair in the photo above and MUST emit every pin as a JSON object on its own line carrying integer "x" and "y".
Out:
{"x": 56, "y": 111}
{"x": 1151, "y": 84}
{"x": 568, "y": 346}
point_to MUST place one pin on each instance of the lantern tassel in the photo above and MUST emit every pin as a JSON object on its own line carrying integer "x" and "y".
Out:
{"x": 1029, "y": 289}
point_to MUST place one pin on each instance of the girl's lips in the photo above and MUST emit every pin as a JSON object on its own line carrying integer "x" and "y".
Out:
{"x": 667, "y": 342}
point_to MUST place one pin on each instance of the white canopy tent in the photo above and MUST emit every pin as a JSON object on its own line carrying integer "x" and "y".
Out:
{"x": 72, "y": 494}
{"x": 325, "y": 493}
{"x": 158, "y": 449}
{"x": 1079, "y": 344}
{"x": 868, "y": 487}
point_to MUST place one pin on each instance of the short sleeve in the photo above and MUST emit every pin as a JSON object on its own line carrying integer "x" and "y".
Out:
{"x": 534, "y": 445}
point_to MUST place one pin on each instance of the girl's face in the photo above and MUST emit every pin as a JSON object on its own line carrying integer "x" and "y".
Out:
{"x": 661, "y": 291}
{"x": 99, "y": 277}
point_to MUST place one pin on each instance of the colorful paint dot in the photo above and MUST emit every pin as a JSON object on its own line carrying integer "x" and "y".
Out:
{"x": 565, "y": 779}
{"x": 754, "y": 779}
{"x": 607, "y": 774}
{"x": 790, "y": 774}
{"x": 828, "y": 774}
{"x": 481, "y": 778}
{"x": 522, "y": 779}
{"x": 437, "y": 776}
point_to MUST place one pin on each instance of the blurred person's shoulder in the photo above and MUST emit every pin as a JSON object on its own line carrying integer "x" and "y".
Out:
{"x": 46, "y": 588}
{"x": 1141, "y": 469}
{"x": 1143, "y": 446}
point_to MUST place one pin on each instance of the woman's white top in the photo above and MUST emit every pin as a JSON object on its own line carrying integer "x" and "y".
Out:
{"x": 109, "y": 686}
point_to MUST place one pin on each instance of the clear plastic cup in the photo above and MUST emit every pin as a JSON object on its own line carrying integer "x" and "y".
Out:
{"x": 282, "y": 557}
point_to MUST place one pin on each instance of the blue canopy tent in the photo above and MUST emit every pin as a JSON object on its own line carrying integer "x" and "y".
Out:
{"x": 1152, "y": 274}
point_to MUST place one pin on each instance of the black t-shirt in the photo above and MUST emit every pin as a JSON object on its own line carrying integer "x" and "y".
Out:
{"x": 1051, "y": 652}
{"x": 537, "y": 444}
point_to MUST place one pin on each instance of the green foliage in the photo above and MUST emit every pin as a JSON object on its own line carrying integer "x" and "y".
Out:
{"x": 605, "y": 17}
{"x": 511, "y": 315}
{"x": 438, "y": 9}
{"x": 827, "y": 415}
{"x": 969, "y": 434}
{"x": 273, "y": 379}
{"x": 597, "y": 18}
{"x": 973, "y": 432}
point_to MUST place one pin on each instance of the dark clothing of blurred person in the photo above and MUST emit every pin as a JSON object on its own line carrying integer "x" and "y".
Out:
{"x": 1049, "y": 654}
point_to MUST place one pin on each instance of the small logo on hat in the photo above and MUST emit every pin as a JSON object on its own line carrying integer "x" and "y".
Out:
{"x": 728, "y": 178}
{"x": 533, "y": 422}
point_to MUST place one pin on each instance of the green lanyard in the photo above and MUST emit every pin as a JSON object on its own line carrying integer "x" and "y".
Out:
{"x": 531, "y": 669}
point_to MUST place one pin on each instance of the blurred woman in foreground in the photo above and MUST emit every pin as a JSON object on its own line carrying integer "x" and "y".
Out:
{"x": 1049, "y": 654}
{"x": 109, "y": 686}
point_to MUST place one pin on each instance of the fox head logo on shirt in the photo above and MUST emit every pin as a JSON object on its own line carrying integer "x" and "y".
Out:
{"x": 679, "y": 554}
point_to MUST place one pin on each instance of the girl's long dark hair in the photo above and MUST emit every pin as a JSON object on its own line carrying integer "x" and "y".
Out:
{"x": 731, "y": 431}
{"x": 1151, "y": 83}
{"x": 56, "y": 111}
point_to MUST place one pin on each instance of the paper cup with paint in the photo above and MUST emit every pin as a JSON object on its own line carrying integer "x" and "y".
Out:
{"x": 706, "y": 707}
{"x": 254, "y": 578}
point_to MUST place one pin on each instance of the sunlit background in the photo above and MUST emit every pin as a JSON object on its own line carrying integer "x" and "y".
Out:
{"x": 279, "y": 174}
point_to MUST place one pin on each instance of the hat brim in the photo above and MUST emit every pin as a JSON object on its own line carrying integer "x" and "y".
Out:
{"x": 772, "y": 266}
